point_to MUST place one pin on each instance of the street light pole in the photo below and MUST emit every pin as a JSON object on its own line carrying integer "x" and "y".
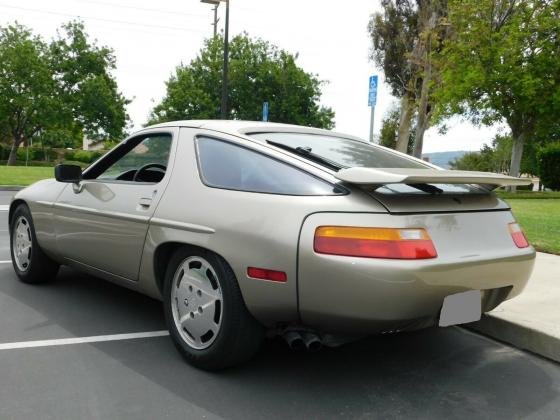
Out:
{"x": 224, "y": 107}
{"x": 215, "y": 24}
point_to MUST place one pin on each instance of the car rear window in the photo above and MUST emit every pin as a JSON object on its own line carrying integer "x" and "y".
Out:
{"x": 343, "y": 151}
{"x": 229, "y": 166}
{"x": 445, "y": 188}
{"x": 354, "y": 153}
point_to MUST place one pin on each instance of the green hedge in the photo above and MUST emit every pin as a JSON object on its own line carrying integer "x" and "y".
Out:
{"x": 529, "y": 195}
{"x": 549, "y": 166}
{"x": 525, "y": 187}
{"x": 84, "y": 156}
{"x": 35, "y": 153}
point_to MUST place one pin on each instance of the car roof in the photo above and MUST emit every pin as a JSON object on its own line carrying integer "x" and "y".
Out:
{"x": 244, "y": 127}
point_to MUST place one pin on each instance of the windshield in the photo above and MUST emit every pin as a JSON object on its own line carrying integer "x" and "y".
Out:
{"x": 342, "y": 151}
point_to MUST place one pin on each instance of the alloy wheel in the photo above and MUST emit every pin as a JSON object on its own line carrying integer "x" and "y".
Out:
{"x": 197, "y": 302}
{"x": 22, "y": 243}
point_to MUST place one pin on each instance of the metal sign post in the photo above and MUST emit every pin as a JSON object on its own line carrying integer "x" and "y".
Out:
{"x": 372, "y": 100}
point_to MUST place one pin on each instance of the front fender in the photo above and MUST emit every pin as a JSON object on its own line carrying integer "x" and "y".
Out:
{"x": 40, "y": 198}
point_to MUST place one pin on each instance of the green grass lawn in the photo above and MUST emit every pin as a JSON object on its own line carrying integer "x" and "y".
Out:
{"x": 24, "y": 175}
{"x": 528, "y": 194}
{"x": 540, "y": 219}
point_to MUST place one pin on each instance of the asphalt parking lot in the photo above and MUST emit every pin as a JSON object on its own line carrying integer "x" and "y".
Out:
{"x": 438, "y": 373}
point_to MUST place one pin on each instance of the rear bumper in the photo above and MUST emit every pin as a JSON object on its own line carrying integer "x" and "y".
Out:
{"x": 365, "y": 295}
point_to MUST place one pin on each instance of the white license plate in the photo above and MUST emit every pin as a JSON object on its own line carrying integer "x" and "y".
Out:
{"x": 460, "y": 308}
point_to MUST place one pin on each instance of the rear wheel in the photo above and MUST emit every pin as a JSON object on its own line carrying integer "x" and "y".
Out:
{"x": 205, "y": 312}
{"x": 30, "y": 262}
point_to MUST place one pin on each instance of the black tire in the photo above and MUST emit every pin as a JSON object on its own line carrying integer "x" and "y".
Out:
{"x": 40, "y": 268}
{"x": 240, "y": 335}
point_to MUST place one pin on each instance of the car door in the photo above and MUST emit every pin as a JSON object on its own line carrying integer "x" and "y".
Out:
{"x": 103, "y": 221}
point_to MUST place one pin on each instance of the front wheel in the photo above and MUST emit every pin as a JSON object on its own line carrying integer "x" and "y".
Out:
{"x": 205, "y": 311}
{"x": 30, "y": 262}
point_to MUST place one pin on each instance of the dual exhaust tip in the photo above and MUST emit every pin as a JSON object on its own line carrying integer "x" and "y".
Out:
{"x": 303, "y": 341}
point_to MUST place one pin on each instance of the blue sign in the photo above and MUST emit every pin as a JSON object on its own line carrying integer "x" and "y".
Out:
{"x": 265, "y": 111}
{"x": 372, "y": 97}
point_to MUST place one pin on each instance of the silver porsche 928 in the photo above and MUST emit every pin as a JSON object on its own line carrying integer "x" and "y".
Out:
{"x": 244, "y": 228}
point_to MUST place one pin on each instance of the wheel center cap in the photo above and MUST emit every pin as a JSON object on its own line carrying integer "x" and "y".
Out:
{"x": 186, "y": 302}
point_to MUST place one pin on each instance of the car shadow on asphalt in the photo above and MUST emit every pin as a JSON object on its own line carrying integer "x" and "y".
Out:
{"x": 75, "y": 303}
{"x": 424, "y": 374}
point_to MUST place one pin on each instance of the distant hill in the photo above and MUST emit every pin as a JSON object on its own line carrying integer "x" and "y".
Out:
{"x": 443, "y": 158}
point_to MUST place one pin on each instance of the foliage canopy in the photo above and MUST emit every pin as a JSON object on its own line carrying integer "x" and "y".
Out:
{"x": 502, "y": 63}
{"x": 258, "y": 72}
{"x": 57, "y": 92}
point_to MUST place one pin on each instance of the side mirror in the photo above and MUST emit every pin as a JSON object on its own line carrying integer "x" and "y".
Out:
{"x": 68, "y": 173}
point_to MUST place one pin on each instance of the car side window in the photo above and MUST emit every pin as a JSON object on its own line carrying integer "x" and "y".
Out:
{"x": 229, "y": 166}
{"x": 140, "y": 159}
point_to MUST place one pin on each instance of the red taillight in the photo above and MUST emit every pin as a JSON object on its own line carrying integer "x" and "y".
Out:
{"x": 519, "y": 238}
{"x": 265, "y": 274}
{"x": 374, "y": 242}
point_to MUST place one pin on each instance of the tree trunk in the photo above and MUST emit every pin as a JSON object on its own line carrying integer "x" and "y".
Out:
{"x": 516, "y": 155}
{"x": 405, "y": 122}
{"x": 13, "y": 151}
{"x": 422, "y": 120}
{"x": 421, "y": 126}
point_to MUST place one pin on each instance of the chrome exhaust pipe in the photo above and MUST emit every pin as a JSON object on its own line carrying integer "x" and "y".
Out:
{"x": 312, "y": 342}
{"x": 294, "y": 340}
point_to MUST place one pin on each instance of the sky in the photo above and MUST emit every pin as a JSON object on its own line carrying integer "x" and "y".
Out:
{"x": 151, "y": 38}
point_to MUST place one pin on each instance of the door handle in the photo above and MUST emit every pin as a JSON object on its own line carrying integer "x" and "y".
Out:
{"x": 145, "y": 202}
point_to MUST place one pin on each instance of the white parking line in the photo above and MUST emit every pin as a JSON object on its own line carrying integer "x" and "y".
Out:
{"x": 81, "y": 340}
{"x": 6, "y": 262}
{"x": 4, "y": 207}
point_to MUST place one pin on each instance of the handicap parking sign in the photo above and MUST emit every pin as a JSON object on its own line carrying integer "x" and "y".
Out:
{"x": 372, "y": 97}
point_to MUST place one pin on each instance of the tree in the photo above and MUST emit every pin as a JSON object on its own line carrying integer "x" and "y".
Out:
{"x": 61, "y": 88}
{"x": 86, "y": 84}
{"x": 475, "y": 161}
{"x": 27, "y": 90}
{"x": 393, "y": 36}
{"x": 405, "y": 39}
{"x": 496, "y": 158}
{"x": 503, "y": 64}
{"x": 388, "y": 134}
{"x": 258, "y": 72}
{"x": 433, "y": 29}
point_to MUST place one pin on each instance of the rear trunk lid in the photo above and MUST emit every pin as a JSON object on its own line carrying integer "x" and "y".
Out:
{"x": 447, "y": 202}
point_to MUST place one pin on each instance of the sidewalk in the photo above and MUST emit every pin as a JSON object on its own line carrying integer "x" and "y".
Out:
{"x": 530, "y": 321}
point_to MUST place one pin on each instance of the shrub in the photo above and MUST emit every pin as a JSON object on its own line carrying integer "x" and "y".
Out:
{"x": 52, "y": 154}
{"x": 82, "y": 156}
{"x": 549, "y": 166}
{"x": 87, "y": 156}
{"x": 525, "y": 187}
{"x": 30, "y": 153}
{"x": 69, "y": 154}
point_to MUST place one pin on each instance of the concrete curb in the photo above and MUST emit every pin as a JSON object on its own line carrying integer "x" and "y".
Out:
{"x": 11, "y": 187}
{"x": 520, "y": 336}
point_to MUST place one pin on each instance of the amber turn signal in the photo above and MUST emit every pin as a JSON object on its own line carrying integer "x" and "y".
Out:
{"x": 373, "y": 242}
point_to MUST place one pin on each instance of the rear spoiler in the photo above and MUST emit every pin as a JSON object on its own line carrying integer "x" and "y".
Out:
{"x": 383, "y": 176}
